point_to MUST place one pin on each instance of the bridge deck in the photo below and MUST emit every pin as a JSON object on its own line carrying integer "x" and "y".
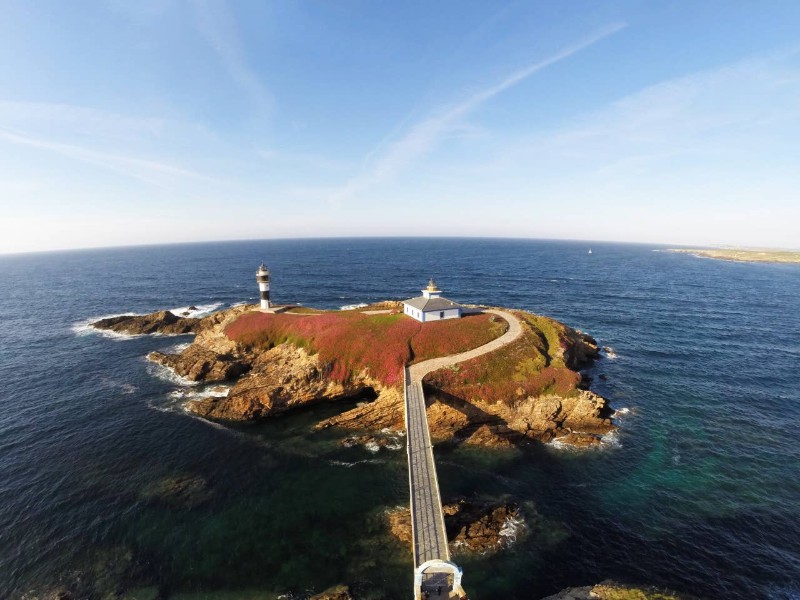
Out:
{"x": 430, "y": 539}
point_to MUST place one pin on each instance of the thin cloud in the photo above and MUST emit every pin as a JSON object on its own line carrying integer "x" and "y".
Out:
{"x": 426, "y": 134}
{"x": 143, "y": 169}
{"x": 218, "y": 26}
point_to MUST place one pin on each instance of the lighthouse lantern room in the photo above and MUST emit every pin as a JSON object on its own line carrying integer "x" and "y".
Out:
{"x": 262, "y": 277}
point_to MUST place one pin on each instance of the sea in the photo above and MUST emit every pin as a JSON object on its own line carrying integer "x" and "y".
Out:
{"x": 698, "y": 491}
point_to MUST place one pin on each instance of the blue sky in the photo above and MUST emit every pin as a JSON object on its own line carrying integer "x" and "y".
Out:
{"x": 168, "y": 121}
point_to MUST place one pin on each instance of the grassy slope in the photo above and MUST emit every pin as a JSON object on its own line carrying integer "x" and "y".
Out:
{"x": 532, "y": 365}
{"x": 349, "y": 341}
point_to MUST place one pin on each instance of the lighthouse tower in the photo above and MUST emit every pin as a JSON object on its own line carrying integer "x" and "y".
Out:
{"x": 262, "y": 277}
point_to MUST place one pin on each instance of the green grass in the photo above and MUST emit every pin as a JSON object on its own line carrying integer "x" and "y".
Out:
{"x": 532, "y": 365}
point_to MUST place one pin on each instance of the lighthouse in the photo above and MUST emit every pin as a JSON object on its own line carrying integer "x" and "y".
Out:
{"x": 262, "y": 277}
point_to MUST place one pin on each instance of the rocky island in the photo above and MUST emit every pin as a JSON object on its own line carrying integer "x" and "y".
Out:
{"x": 528, "y": 390}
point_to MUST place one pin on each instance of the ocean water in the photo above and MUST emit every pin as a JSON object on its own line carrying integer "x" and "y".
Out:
{"x": 699, "y": 491}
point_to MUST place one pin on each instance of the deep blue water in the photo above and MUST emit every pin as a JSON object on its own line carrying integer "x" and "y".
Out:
{"x": 700, "y": 491}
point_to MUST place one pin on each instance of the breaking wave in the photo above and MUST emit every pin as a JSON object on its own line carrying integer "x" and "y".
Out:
{"x": 348, "y": 465}
{"x": 512, "y": 529}
{"x": 353, "y": 306}
{"x": 167, "y": 374}
{"x": 195, "y": 311}
{"x": 84, "y": 327}
{"x": 608, "y": 352}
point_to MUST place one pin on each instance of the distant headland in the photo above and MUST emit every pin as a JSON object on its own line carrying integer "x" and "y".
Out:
{"x": 744, "y": 255}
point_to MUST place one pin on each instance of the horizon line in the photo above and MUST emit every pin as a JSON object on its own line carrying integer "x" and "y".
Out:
{"x": 392, "y": 237}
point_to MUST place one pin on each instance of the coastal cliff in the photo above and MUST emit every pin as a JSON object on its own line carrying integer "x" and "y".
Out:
{"x": 528, "y": 390}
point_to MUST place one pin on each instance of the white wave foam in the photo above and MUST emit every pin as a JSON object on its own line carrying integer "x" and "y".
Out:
{"x": 557, "y": 444}
{"x": 372, "y": 446}
{"x": 621, "y": 412}
{"x": 84, "y": 327}
{"x": 128, "y": 388}
{"x": 353, "y": 306}
{"x": 392, "y": 432}
{"x": 395, "y": 444}
{"x": 608, "y": 351}
{"x": 167, "y": 374}
{"x": 177, "y": 348}
{"x": 610, "y": 440}
{"x": 511, "y": 530}
{"x": 195, "y": 311}
{"x": 607, "y": 441}
{"x": 188, "y": 394}
{"x": 348, "y": 465}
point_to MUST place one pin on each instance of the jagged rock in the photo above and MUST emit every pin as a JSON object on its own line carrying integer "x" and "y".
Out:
{"x": 159, "y": 322}
{"x": 445, "y": 421}
{"x": 611, "y": 590}
{"x": 471, "y": 526}
{"x": 388, "y": 410}
{"x": 488, "y": 437}
{"x": 198, "y": 364}
{"x": 280, "y": 379}
{"x": 338, "y": 592}
{"x": 372, "y": 442}
{"x": 478, "y": 527}
{"x": 399, "y": 520}
{"x": 546, "y": 417}
{"x": 580, "y": 350}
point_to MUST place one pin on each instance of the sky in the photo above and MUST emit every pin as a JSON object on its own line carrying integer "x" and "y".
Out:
{"x": 166, "y": 121}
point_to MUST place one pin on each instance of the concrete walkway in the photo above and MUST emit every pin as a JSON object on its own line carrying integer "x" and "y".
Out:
{"x": 419, "y": 370}
{"x": 427, "y": 520}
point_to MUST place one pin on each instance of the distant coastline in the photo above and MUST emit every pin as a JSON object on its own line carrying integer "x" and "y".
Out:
{"x": 744, "y": 255}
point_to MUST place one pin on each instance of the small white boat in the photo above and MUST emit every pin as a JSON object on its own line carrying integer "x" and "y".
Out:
{"x": 590, "y": 250}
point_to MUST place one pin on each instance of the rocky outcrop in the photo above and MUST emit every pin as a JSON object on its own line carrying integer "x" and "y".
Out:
{"x": 480, "y": 527}
{"x": 610, "y": 590}
{"x": 580, "y": 349}
{"x": 164, "y": 322}
{"x": 196, "y": 363}
{"x": 387, "y": 411}
{"x": 337, "y": 592}
{"x": 471, "y": 526}
{"x": 545, "y": 418}
{"x": 578, "y": 420}
{"x": 280, "y": 379}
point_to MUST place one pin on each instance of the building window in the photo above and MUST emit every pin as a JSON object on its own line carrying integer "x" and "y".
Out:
{"x": 441, "y": 315}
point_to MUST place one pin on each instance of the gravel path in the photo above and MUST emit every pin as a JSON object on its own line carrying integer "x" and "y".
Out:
{"x": 419, "y": 370}
{"x": 428, "y": 530}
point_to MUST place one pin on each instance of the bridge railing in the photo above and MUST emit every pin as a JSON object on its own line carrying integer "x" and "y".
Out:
{"x": 406, "y": 377}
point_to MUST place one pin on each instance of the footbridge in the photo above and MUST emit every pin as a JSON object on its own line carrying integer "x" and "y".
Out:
{"x": 435, "y": 575}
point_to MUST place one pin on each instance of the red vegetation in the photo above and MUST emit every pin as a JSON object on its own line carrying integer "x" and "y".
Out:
{"x": 532, "y": 365}
{"x": 350, "y": 342}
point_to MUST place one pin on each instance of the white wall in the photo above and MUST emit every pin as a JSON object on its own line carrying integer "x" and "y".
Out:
{"x": 450, "y": 313}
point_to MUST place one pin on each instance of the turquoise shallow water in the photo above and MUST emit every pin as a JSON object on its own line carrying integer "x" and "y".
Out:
{"x": 699, "y": 491}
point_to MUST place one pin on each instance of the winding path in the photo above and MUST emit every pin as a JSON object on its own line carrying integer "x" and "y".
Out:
{"x": 419, "y": 370}
{"x": 427, "y": 520}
